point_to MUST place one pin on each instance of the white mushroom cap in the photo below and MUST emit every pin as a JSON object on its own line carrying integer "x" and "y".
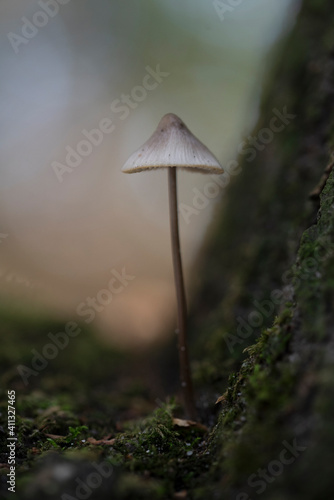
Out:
{"x": 173, "y": 145}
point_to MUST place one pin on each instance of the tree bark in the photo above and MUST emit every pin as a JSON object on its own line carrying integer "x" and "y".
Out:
{"x": 269, "y": 286}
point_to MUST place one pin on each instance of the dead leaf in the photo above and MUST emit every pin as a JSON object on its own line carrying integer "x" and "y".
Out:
{"x": 179, "y": 422}
{"x": 54, "y": 436}
{"x": 181, "y": 495}
{"x": 35, "y": 450}
{"x": 105, "y": 440}
{"x": 221, "y": 399}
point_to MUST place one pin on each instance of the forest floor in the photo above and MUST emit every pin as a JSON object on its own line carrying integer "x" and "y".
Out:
{"x": 93, "y": 404}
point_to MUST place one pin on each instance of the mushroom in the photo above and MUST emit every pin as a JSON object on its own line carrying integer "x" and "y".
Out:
{"x": 172, "y": 146}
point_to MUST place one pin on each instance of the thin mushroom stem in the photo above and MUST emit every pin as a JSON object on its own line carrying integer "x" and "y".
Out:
{"x": 185, "y": 375}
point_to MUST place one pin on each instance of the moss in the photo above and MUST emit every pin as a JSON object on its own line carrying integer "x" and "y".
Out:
{"x": 261, "y": 396}
{"x": 174, "y": 455}
{"x": 157, "y": 456}
{"x": 313, "y": 263}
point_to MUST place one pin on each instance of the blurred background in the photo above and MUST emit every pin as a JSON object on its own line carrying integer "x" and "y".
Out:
{"x": 70, "y": 220}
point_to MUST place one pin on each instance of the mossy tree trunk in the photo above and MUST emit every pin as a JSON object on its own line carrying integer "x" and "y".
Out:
{"x": 275, "y": 239}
